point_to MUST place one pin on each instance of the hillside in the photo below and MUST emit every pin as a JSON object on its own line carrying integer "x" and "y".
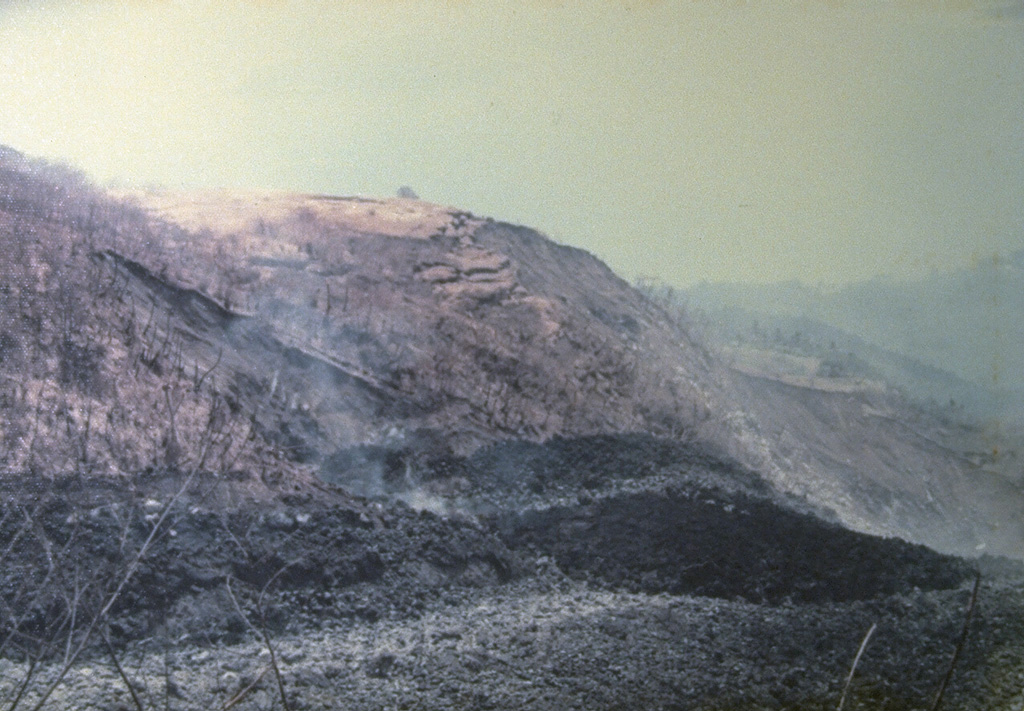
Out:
{"x": 298, "y": 323}
{"x": 461, "y": 331}
{"x": 376, "y": 343}
{"x": 274, "y": 450}
{"x": 469, "y": 328}
{"x": 963, "y": 324}
{"x": 981, "y": 419}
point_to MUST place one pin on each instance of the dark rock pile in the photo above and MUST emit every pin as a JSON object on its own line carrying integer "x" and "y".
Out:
{"x": 675, "y": 586}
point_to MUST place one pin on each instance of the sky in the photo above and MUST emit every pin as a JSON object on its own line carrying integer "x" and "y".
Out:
{"x": 822, "y": 140}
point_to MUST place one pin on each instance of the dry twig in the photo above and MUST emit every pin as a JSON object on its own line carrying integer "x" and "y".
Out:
{"x": 959, "y": 645}
{"x": 120, "y": 670}
{"x": 853, "y": 667}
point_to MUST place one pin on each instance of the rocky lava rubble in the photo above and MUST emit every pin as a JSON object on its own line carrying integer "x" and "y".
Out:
{"x": 649, "y": 575}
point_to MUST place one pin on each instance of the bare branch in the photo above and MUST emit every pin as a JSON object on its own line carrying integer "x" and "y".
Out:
{"x": 853, "y": 667}
{"x": 960, "y": 643}
{"x": 245, "y": 692}
{"x": 199, "y": 383}
{"x": 262, "y": 630}
{"x": 120, "y": 670}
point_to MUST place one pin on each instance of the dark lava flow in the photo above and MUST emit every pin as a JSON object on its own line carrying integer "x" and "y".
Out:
{"x": 716, "y": 544}
{"x": 701, "y": 528}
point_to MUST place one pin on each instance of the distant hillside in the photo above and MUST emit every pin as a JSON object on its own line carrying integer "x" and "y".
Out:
{"x": 838, "y": 353}
{"x": 956, "y": 335}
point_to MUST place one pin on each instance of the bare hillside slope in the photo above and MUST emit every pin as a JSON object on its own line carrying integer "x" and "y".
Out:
{"x": 279, "y": 336}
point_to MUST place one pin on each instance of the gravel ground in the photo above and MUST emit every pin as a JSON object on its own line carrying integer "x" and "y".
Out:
{"x": 552, "y": 643}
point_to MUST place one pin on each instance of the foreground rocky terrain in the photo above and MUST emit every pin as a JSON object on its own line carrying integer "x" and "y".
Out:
{"x": 649, "y": 575}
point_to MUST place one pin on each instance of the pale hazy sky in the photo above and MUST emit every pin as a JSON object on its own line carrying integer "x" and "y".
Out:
{"x": 699, "y": 140}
